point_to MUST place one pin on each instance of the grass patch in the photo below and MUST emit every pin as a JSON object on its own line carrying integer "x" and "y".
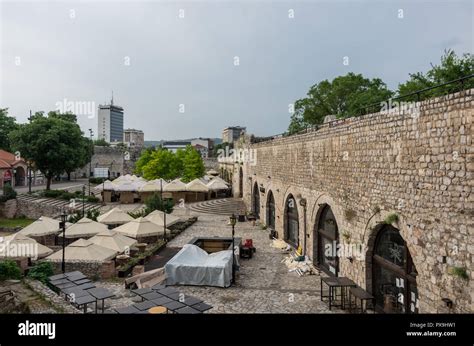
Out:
{"x": 10, "y": 223}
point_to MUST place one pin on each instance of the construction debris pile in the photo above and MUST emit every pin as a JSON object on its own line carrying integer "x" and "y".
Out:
{"x": 295, "y": 262}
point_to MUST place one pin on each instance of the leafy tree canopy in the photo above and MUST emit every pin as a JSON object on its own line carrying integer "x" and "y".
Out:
{"x": 451, "y": 68}
{"x": 54, "y": 143}
{"x": 7, "y": 125}
{"x": 343, "y": 97}
{"x": 162, "y": 163}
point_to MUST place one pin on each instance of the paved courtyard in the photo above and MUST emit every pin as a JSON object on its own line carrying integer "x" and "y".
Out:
{"x": 263, "y": 285}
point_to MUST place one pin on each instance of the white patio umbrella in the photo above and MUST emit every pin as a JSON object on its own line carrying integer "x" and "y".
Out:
{"x": 113, "y": 240}
{"x": 157, "y": 216}
{"x": 18, "y": 245}
{"x": 196, "y": 186}
{"x": 140, "y": 227}
{"x": 83, "y": 250}
{"x": 115, "y": 216}
{"x": 42, "y": 227}
{"x": 215, "y": 185}
{"x": 84, "y": 228}
{"x": 175, "y": 186}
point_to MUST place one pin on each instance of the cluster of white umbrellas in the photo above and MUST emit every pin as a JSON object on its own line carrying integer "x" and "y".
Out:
{"x": 132, "y": 183}
{"x": 103, "y": 244}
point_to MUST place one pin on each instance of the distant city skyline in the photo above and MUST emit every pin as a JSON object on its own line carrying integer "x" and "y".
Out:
{"x": 185, "y": 70}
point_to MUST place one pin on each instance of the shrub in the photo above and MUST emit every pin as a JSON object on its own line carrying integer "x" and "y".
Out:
{"x": 41, "y": 271}
{"x": 52, "y": 193}
{"x": 154, "y": 202}
{"x": 92, "y": 199}
{"x": 8, "y": 193}
{"x": 93, "y": 180}
{"x": 391, "y": 218}
{"x": 459, "y": 272}
{"x": 9, "y": 269}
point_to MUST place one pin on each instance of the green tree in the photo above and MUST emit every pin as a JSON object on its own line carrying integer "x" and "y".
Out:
{"x": 145, "y": 157}
{"x": 193, "y": 166}
{"x": 451, "y": 68}
{"x": 161, "y": 165}
{"x": 52, "y": 143}
{"x": 343, "y": 97}
{"x": 101, "y": 143}
{"x": 7, "y": 125}
{"x": 154, "y": 202}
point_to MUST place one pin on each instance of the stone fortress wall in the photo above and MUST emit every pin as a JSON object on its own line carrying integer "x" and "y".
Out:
{"x": 416, "y": 163}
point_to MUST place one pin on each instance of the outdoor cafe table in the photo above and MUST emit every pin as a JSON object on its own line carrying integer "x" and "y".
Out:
{"x": 127, "y": 310}
{"x": 147, "y": 304}
{"x": 84, "y": 301}
{"x": 333, "y": 284}
{"x": 188, "y": 310}
{"x": 100, "y": 294}
{"x": 201, "y": 307}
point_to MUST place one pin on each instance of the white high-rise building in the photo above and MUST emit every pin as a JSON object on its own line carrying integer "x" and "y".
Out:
{"x": 110, "y": 126}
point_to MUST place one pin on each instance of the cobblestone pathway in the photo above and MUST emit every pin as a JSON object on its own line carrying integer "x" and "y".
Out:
{"x": 263, "y": 284}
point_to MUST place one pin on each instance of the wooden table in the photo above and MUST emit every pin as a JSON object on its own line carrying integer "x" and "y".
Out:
{"x": 333, "y": 284}
{"x": 362, "y": 296}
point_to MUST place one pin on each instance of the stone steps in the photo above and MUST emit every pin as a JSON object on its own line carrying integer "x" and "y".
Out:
{"x": 225, "y": 206}
{"x": 58, "y": 203}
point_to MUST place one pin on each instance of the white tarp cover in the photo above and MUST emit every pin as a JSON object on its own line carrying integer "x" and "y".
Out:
{"x": 194, "y": 266}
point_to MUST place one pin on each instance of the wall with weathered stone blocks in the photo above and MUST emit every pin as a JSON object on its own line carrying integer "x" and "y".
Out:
{"x": 417, "y": 164}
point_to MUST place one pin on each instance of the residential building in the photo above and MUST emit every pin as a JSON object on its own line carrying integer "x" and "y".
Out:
{"x": 133, "y": 138}
{"x": 232, "y": 133}
{"x": 205, "y": 142}
{"x": 175, "y": 145}
{"x": 110, "y": 122}
{"x": 203, "y": 151}
{"x": 13, "y": 170}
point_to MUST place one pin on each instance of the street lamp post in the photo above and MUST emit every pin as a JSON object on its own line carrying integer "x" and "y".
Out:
{"x": 62, "y": 225}
{"x": 90, "y": 162}
{"x": 164, "y": 211}
{"x": 83, "y": 200}
{"x": 233, "y": 221}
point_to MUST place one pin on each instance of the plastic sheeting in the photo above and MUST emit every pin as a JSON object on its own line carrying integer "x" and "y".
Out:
{"x": 194, "y": 266}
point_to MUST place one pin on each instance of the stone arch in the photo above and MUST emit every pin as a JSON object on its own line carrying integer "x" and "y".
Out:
{"x": 291, "y": 221}
{"x": 410, "y": 287}
{"x": 256, "y": 200}
{"x": 326, "y": 232}
{"x": 20, "y": 176}
{"x": 241, "y": 182}
{"x": 270, "y": 211}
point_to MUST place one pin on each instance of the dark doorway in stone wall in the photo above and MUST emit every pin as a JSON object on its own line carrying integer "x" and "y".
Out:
{"x": 393, "y": 281}
{"x": 327, "y": 238}
{"x": 270, "y": 210}
{"x": 291, "y": 221}
{"x": 256, "y": 201}
{"x": 241, "y": 182}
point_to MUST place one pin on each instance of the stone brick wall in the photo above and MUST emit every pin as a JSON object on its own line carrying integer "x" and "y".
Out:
{"x": 418, "y": 165}
{"x": 92, "y": 270}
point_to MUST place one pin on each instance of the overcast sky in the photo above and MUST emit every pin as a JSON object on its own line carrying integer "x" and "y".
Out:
{"x": 155, "y": 61}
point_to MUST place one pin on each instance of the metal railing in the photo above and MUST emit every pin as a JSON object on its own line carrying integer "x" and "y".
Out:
{"x": 460, "y": 81}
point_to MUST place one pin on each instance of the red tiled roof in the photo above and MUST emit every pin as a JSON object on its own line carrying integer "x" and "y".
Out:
{"x": 7, "y": 160}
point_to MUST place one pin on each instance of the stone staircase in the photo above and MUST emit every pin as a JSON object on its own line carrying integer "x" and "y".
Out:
{"x": 224, "y": 206}
{"x": 59, "y": 203}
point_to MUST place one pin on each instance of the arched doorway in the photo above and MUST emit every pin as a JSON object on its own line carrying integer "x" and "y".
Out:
{"x": 256, "y": 201}
{"x": 393, "y": 273}
{"x": 20, "y": 176}
{"x": 241, "y": 182}
{"x": 327, "y": 238}
{"x": 270, "y": 210}
{"x": 291, "y": 221}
